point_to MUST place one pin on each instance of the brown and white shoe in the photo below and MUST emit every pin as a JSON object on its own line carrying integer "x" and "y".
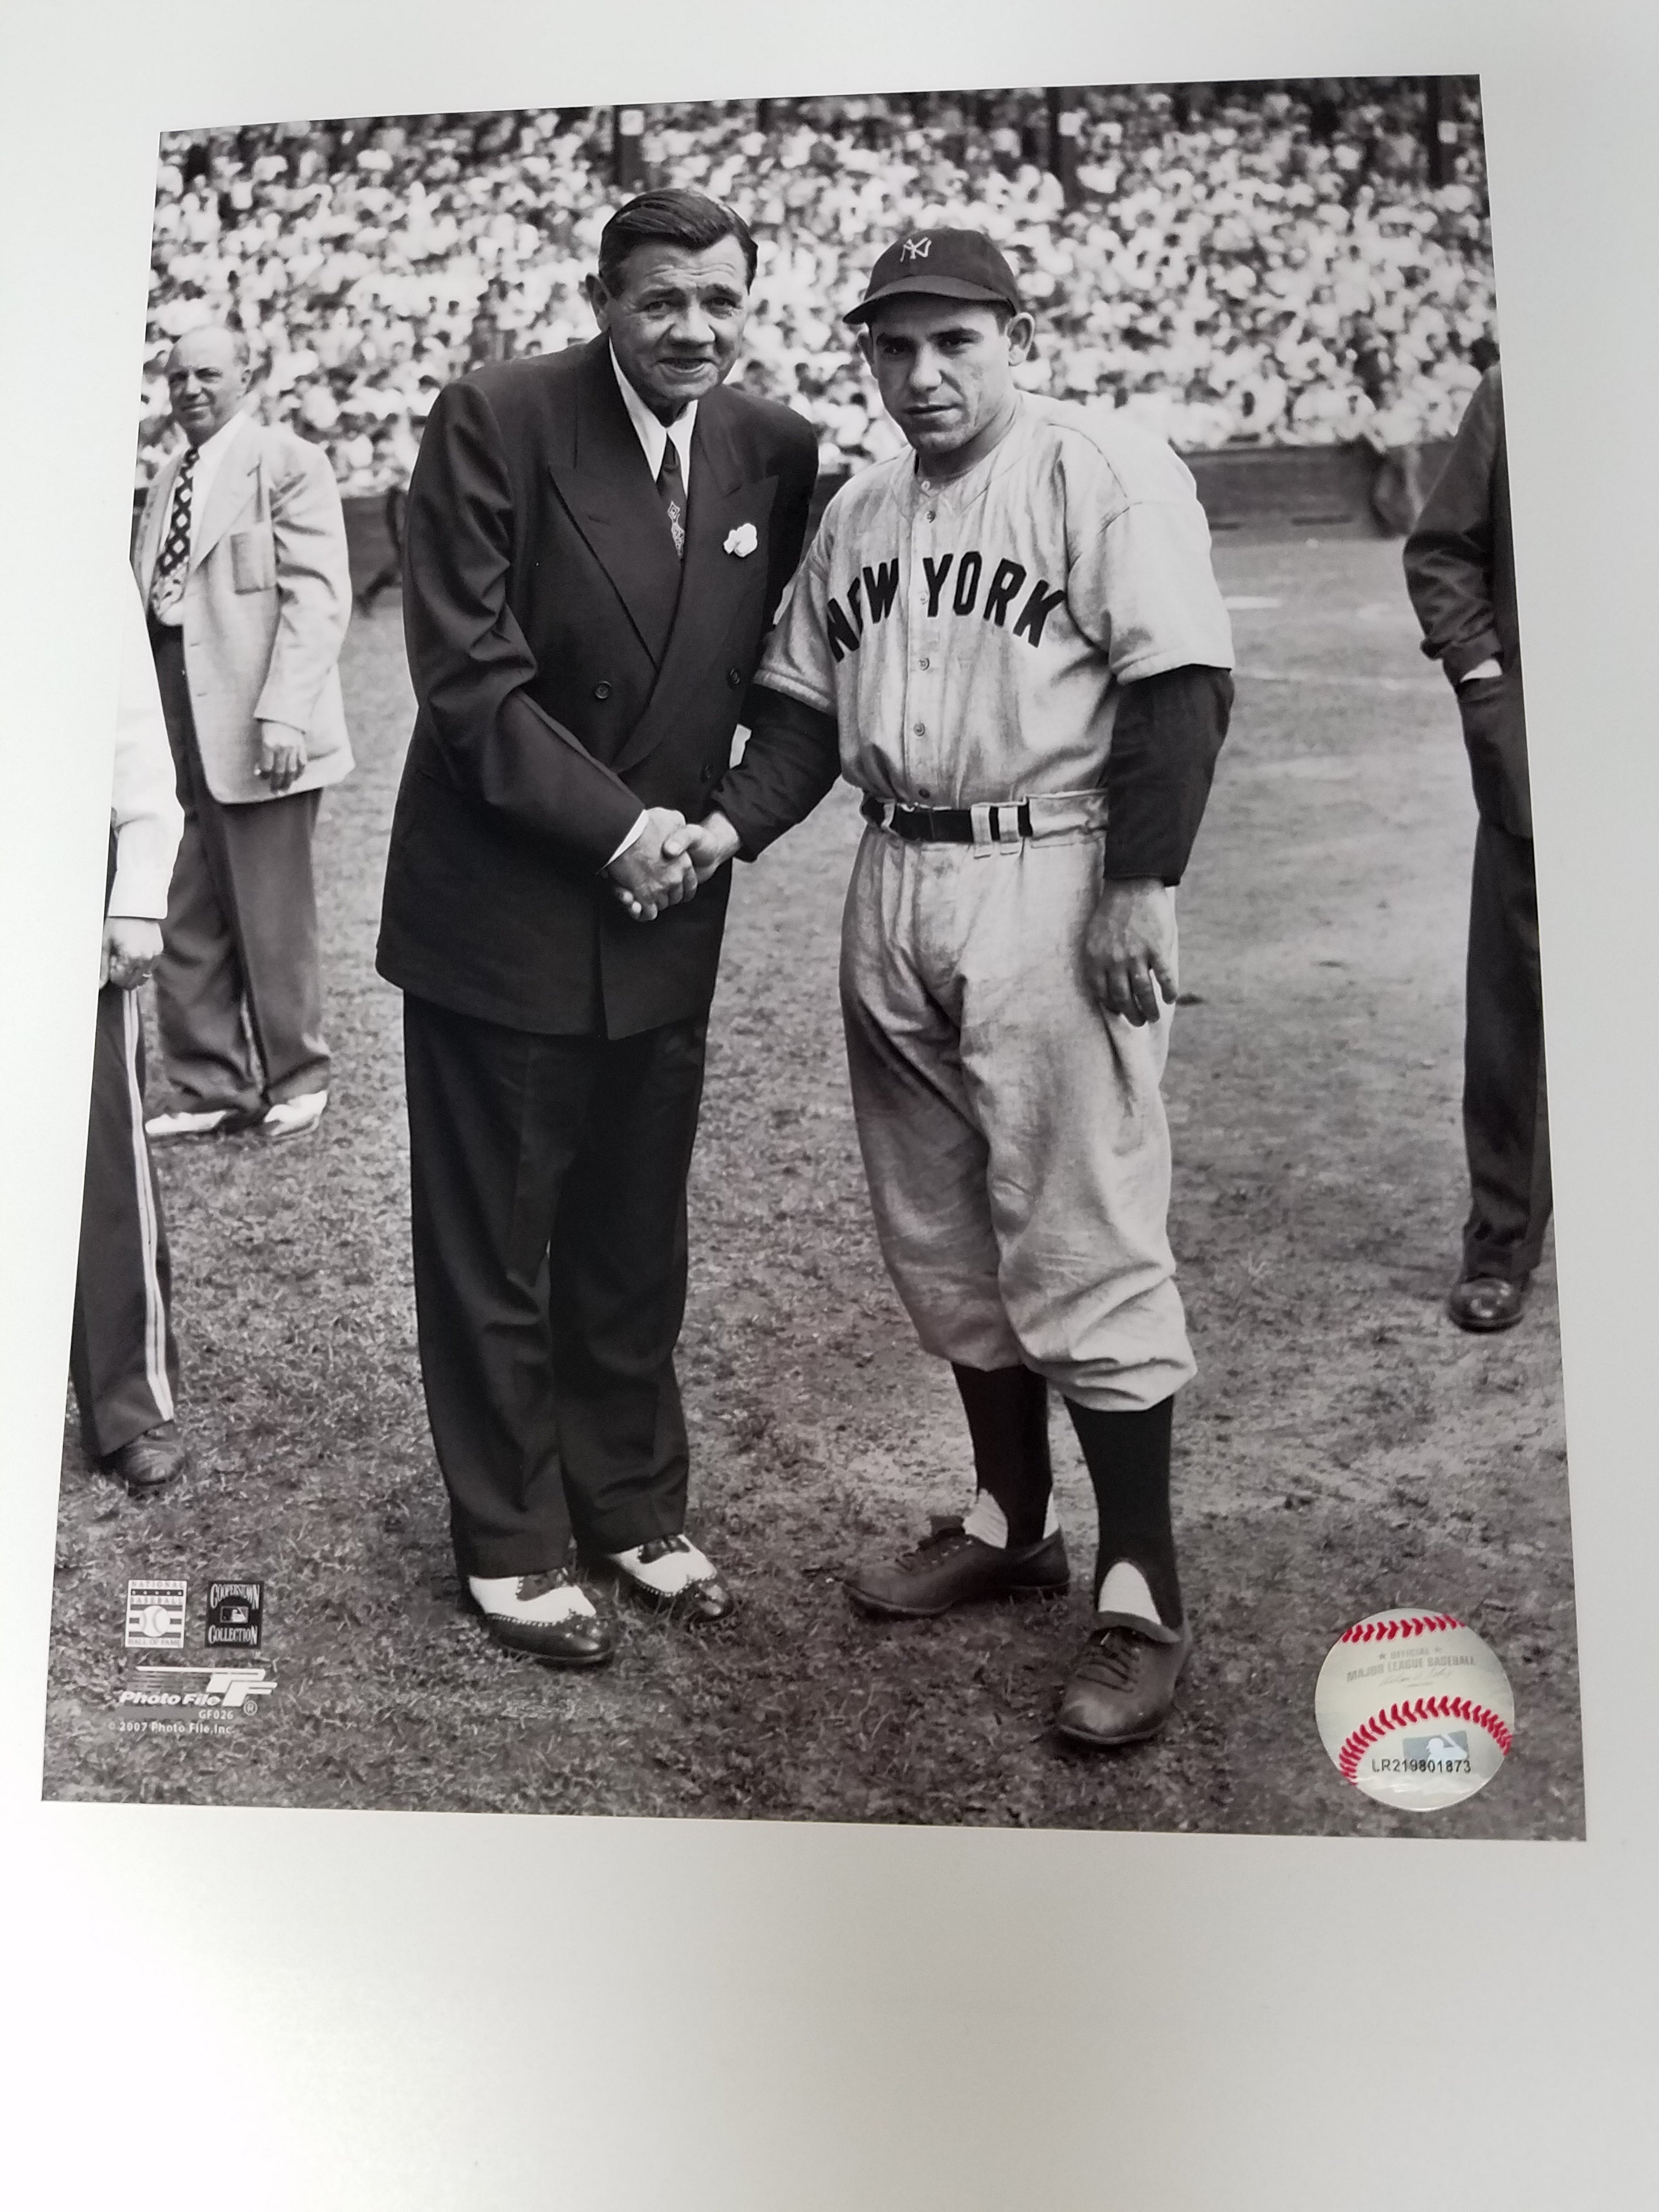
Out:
{"x": 670, "y": 1575}
{"x": 950, "y": 1567}
{"x": 550, "y": 1616}
{"x": 1122, "y": 1688}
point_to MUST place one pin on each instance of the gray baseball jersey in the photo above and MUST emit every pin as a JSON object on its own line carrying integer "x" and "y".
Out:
{"x": 971, "y": 638}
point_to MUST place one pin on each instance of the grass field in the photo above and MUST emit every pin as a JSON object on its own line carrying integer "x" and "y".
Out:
{"x": 1344, "y": 1449}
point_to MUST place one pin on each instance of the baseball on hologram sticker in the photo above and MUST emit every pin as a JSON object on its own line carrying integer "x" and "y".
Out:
{"x": 1414, "y": 1709}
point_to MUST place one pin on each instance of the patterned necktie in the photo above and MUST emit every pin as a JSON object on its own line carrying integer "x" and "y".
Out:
{"x": 670, "y": 490}
{"x": 168, "y": 585}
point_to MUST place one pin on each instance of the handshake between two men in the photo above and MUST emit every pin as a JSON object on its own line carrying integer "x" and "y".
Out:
{"x": 669, "y": 859}
{"x": 1128, "y": 948}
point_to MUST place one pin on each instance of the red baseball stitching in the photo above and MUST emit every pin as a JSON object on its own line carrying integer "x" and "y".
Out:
{"x": 1422, "y": 1623}
{"x": 1419, "y": 1709}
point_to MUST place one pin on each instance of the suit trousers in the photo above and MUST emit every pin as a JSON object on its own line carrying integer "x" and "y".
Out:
{"x": 122, "y": 1359}
{"x": 548, "y": 1209}
{"x": 240, "y": 968}
{"x": 1505, "y": 1111}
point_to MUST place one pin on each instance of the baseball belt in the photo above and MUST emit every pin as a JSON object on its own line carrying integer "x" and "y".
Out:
{"x": 1007, "y": 823}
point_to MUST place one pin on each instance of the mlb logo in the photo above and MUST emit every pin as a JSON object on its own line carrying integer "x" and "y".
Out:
{"x": 155, "y": 1616}
{"x": 235, "y": 1613}
{"x": 1449, "y": 1747}
{"x": 915, "y": 249}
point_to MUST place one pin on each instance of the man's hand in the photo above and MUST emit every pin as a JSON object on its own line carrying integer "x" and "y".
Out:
{"x": 1129, "y": 948}
{"x": 649, "y": 876}
{"x": 131, "y": 950}
{"x": 283, "y": 755}
{"x": 710, "y": 844}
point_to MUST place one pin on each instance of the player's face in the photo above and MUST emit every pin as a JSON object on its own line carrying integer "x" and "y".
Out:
{"x": 675, "y": 320}
{"x": 205, "y": 383}
{"x": 946, "y": 371}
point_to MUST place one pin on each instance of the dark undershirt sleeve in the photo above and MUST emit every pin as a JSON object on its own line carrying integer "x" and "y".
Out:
{"x": 1168, "y": 733}
{"x": 792, "y": 759}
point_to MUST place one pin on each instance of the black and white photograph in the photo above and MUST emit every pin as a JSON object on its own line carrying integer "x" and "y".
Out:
{"x": 819, "y": 1091}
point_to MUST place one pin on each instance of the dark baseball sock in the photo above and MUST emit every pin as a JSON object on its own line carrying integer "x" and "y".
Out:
{"x": 1007, "y": 1410}
{"x": 1129, "y": 1462}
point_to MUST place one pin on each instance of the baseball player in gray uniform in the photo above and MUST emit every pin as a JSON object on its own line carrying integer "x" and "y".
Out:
{"x": 1011, "y": 641}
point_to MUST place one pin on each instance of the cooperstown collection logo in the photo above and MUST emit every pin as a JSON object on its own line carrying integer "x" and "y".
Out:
{"x": 225, "y": 1688}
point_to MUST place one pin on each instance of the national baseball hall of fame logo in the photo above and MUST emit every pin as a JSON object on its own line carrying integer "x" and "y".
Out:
{"x": 155, "y": 1616}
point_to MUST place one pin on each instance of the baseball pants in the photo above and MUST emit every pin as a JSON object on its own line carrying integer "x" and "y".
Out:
{"x": 1013, "y": 1134}
{"x": 1505, "y": 1113}
{"x": 122, "y": 1360}
{"x": 240, "y": 933}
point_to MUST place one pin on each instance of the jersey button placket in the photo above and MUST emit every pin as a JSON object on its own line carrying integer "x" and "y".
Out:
{"x": 926, "y": 699}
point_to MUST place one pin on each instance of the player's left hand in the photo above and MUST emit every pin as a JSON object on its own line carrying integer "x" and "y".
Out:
{"x": 1129, "y": 949}
{"x": 130, "y": 950}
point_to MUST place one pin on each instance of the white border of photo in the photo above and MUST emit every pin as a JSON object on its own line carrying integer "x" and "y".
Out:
{"x": 434, "y": 2013}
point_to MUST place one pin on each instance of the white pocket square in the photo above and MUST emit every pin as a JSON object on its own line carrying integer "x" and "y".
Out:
{"x": 743, "y": 540}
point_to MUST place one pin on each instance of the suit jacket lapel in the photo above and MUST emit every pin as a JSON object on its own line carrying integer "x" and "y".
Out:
{"x": 157, "y": 506}
{"x": 228, "y": 495}
{"x": 605, "y": 483}
{"x": 714, "y": 582}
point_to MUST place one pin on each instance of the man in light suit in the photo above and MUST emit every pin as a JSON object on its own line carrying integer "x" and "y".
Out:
{"x": 241, "y": 559}
{"x": 596, "y": 542}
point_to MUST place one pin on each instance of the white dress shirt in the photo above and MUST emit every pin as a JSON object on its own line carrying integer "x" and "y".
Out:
{"x": 144, "y": 810}
{"x": 210, "y": 459}
{"x": 653, "y": 437}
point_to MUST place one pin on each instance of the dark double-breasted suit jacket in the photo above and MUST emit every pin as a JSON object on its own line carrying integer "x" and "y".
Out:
{"x": 568, "y": 670}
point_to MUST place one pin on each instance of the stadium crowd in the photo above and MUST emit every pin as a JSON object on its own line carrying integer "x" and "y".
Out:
{"x": 1256, "y": 264}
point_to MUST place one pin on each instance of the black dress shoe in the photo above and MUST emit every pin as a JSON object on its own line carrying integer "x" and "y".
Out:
{"x": 1483, "y": 1303}
{"x": 515, "y": 1610}
{"x": 950, "y": 1567}
{"x": 1123, "y": 1687}
{"x": 150, "y": 1462}
{"x": 685, "y": 1584}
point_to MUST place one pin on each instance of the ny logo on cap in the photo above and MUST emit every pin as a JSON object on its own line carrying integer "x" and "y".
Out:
{"x": 915, "y": 249}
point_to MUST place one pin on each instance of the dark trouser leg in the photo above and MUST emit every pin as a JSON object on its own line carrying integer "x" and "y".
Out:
{"x": 122, "y": 1359}
{"x": 266, "y": 865}
{"x": 198, "y": 979}
{"x": 618, "y": 1291}
{"x": 1007, "y": 1410}
{"x": 494, "y": 1119}
{"x": 1505, "y": 1115}
{"x": 1129, "y": 1462}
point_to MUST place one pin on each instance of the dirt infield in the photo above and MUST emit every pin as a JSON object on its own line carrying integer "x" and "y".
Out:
{"x": 1344, "y": 1449}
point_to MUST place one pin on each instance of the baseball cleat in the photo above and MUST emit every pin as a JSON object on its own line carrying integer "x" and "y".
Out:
{"x": 551, "y": 1617}
{"x": 1123, "y": 1687}
{"x": 950, "y": 1567}
{"x": 148, "y": 1463}
{"x": 1483, "y": 1303}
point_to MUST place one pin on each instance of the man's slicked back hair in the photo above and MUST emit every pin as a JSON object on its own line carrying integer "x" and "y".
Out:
{"x": 689, "y": 219}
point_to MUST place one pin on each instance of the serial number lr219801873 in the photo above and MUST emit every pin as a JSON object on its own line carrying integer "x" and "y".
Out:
{"x": 1421, "y": 1766}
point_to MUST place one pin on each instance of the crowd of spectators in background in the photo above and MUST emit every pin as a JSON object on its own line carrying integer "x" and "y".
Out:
{"x": 1257, "y": 264}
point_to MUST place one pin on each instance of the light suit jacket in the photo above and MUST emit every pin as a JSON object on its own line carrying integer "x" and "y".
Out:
{"x": 267, "y": 598}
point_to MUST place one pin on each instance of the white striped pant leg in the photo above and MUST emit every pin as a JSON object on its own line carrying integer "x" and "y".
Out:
{"x": 122, "y": 1356}
{"x": 1077, "y": 1143}
{"x": 925, "y": 1157}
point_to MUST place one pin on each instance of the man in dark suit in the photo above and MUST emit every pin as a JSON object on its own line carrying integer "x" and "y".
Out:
{"x": 1460, "y": 571}
{"x": 597, "y": 542}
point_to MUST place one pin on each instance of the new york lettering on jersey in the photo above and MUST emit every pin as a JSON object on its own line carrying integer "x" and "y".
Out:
{"x": 868, "y": 598}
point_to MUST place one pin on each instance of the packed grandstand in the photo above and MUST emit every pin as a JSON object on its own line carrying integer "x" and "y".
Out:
{"x": 1261, "y": 264}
